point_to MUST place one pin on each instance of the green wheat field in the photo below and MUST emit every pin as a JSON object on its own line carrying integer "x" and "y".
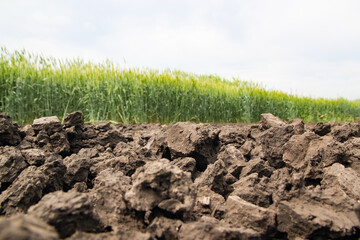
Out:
{"x": 33, "y": 86}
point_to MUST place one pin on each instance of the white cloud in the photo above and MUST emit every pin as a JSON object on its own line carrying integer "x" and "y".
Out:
{"x": 43, "y": 18}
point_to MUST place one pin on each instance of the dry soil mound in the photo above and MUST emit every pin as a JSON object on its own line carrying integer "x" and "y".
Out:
{"x": 271, "y": 180}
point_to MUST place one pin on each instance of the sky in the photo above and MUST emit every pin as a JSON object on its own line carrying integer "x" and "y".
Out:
{"x": 305, "y": 47}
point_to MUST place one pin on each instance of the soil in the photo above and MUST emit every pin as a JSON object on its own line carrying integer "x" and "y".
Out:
{"x": 269, "y": 180}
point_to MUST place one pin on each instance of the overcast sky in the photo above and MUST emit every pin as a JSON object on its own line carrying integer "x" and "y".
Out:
{"x": 304, "y": 47}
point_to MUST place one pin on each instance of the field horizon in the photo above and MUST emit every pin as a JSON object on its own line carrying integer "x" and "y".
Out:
{"x": 33, "y": 86}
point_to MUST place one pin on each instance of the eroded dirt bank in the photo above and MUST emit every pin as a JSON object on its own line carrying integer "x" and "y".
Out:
{"x": 271, "y": 180}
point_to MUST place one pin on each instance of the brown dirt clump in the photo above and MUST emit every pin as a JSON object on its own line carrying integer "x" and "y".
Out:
{"x": 271, "y": 180}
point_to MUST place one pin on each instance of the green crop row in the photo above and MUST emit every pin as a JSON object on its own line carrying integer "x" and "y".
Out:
{"x": 33, "y": 86}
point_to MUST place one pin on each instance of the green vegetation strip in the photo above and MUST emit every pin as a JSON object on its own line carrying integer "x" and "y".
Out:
{"x": 33, "y": 86}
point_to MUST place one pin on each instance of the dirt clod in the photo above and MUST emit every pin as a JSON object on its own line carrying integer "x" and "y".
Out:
{"x": 26, "y": 227}
{"x": 270, "y": 180}
{"x": 9, "y": 131}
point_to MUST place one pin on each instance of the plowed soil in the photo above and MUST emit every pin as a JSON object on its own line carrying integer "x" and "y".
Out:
{"x": 269, "y": 180}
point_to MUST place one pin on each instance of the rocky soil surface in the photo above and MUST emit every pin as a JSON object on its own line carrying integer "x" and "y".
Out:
{"x": 270, "y": 180}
